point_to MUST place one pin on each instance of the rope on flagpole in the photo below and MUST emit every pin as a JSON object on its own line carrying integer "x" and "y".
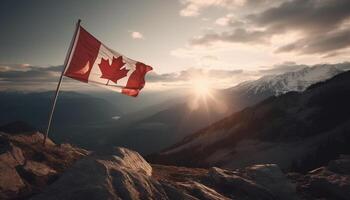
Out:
{"x": 60, "y": 81}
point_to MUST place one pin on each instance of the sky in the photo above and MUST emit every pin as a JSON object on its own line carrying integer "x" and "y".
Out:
{"x": 229, "y": 41}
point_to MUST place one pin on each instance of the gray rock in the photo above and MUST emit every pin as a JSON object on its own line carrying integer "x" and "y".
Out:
{"x": 132, "y": 160}
{"x": 341, "y": 165}
{"x": 174, "y": 193}
{"x": 201, "y": 191}
{"x": 272, "y": 178}
{"x": 327, "y": 183}
{"x": 10, "y": 181}
{"x": 238, "y": 185}
{"x": 26, "y": 167}
{"x": 125, "y": 175}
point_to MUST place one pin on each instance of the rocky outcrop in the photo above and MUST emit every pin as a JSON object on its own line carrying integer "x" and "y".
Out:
{"x": 58, "y": 172}
{"x": 26, "y": 166}
{"x": 341, "y": 165}
{"x": 330, "y": 182}
{"x": 243, "y": 187}
{"x": 124, "y": 174}
{"x": 272, "y": 178}
{"x": 11, "y": 183}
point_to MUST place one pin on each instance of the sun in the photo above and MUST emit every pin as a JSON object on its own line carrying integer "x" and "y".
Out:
{"x": 204, "y": 97}
{"x": 201, "y": 87}
{"x": 201, "y": 93}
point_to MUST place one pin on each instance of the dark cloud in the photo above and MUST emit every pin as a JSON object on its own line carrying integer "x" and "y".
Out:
{"x": 322, "y": 24}
{"x": 312, "y": 16}
{"x": 313, "y": 44}
{"x": 256, "y": 3}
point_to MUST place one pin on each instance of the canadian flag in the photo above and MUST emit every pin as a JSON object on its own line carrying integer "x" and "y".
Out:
{"x": 91, "y": 61}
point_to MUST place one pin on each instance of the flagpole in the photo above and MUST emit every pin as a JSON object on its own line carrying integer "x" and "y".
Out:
{"x": 53, "y": 105}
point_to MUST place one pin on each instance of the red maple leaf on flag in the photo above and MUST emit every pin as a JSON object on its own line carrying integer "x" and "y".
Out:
{"x": 113, "y": 72}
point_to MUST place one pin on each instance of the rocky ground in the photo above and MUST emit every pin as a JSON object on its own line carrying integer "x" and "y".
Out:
{"x": 26, "y": 167}
{"x": 30, "y": 171}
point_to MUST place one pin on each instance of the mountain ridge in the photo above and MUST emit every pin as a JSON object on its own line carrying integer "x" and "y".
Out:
{"x": 178, "y": 121}
{"x": 273, "y": 125}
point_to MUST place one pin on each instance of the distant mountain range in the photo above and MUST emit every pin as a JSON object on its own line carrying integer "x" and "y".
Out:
{"x": 76, "y": 112}
{"x": 297, "y": 130}
{"x": 73, "y": 111}
{"x": 170, "y": 125}
{"x": 71, "y": 108}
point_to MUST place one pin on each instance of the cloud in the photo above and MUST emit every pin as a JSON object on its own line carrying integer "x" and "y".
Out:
{"x": 281, "y": 68}
{"x": 193, "y": 8}
{"x": 25, "y": 77}
{"x": 136, "y": 35}
{"x": 239, "y": 35}
{"x": 216, "y": 78}
{"x": 311, "y": 16}
{"x": 225, "y": 78}
{"x": 322, "y": 27}
{"x": 191, "y": 73}
{"x": 332, "y": 41}
{"x": 8, "y": 67}
{"x": 229, "y": 20}
{"x": 27, "y": 73}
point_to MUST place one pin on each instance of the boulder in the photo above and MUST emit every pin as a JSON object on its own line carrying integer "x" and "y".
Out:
{"x": 132, "y": 160}
{"x": 123, "y": 175}
{"x": 341, "y": 165}
{"x": 10, "y": 181}
{"x": 32, "y": 138}
{"x": 10, "y": 154}
{"x": 237, "y": 185}
{"x": 325, "y": 183}
{"x": 174, "y": 193}
{"x": 272, "y": 178}
{"x": 201, "y": 191}
{"x": 38, "y": 169}
{"x": 26, "y": 167}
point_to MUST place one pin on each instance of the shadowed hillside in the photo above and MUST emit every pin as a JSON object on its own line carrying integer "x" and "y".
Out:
{"x": 298, "y": 131}
{"x": 170, "y": 124}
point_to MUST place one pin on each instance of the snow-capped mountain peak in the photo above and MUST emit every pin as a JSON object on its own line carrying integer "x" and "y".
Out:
{"x": 290, "y": 81}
